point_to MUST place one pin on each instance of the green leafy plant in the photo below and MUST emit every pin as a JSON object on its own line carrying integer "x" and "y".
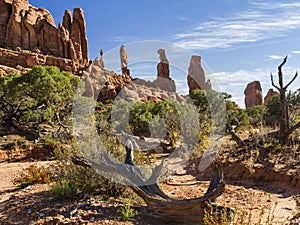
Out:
{"x": 126, "y": 212}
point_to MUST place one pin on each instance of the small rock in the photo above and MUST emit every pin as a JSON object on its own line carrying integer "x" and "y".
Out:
{"x": 100, "y": 211}
{"x": 92, "y": 219}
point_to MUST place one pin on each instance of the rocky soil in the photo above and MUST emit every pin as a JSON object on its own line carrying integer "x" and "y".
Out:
{"x": 246, "y": 192}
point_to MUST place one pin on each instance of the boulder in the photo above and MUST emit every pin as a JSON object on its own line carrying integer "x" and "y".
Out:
{"x": 253, "y": 94}
{"x": 108, "y": 92}
{"x": 165, "y": 84}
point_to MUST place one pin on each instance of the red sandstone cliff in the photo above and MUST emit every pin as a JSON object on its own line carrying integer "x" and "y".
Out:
{"x": 30, "y": 28}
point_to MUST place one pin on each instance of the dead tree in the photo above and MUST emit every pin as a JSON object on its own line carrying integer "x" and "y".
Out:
{"x": 159, "y": 204}
{"x": 284, "y": 129}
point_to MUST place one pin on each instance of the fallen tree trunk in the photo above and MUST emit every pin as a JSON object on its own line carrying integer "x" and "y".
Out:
{"x": 237, "y": 139}
{"x": 160, "y": 205}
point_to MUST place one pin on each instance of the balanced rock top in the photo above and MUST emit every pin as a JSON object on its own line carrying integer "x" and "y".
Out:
{"x": 196, "y": 75}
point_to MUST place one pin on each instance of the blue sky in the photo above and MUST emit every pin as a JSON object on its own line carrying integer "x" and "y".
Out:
{"x": 239, "y": 41}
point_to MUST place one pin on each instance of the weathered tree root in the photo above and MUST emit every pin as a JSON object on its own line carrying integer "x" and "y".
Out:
{"x": 160, "y": 205}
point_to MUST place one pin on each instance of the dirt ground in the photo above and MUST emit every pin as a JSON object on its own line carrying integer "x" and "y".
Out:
{"x": 251, "y": 197}
{"x": 33, "y": 205}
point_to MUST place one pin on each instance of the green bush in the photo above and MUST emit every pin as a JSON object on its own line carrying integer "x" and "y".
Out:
{"x": 127, "y": 213}
{"x": 37, "y": 96}
{"x": 256, "y": 115}
{"x": 273, "y": 111}
{"x": 72, "y": 181}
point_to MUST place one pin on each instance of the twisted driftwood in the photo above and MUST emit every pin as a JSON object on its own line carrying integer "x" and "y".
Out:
{"x": 160, "y": 205}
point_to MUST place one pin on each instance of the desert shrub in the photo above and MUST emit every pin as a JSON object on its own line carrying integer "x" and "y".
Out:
{"x": 293, "y": 101}
{"x": 240, "y": 217}
{"x": 126, "y": 212}
{"x": 256, "y": 114}
{"x": 144, "y": 114}
{"x": 242, "y": 116}
{"x": 41, "y": 95}
{"x": 72, "y": 181}
{"x": 33, "y": 175}
{"x": 273, "y": 111}
{"x": 61, "y": 149}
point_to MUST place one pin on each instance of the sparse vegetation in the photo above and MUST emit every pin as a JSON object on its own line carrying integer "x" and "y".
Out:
{"x": 126, "y": 212}
{"x": 241, "y": 217}
{"x": 33, "y": 175}
{"x": 34, "y": 109}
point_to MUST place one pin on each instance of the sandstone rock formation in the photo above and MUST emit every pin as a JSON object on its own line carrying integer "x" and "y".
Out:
{"x": 164, "y": 84}
{"x": 163, "y": 80}
{"x": 106, "y": 85}
{"x": 26, "y": 59}
{"x": 196, "y": 75}
{"x": 163, "y": 68}
{"x": 6, "y": 70}
{"x": 124, "y": 60}
{"x": 270, "y": 95}
{"x": 30, "y": 28}
{"x": 253, "y": 94}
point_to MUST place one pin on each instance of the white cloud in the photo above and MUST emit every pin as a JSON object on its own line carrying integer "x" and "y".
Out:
{"x": 275, "y": 57}
{"x": 271, "y": 5}
{"x": 296, "y": 52}
{"x": 182, "y": 18}
{"x": 124, "y": 39}
{"x": 262, "y": 22}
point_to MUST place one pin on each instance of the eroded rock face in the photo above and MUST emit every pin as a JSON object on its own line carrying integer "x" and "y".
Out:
{"x": 78, "y": 37}
{"x": 30, "y": 28}
{"x": 106, "y": 85}
{"x": 270, "y": 95}
{"x": 253, "y": 94}
{"x": 103, "y": 83}
{"x": 27, "y": 59}
{"x": 6, "y": 70}
{"x": 196, "y": 75}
